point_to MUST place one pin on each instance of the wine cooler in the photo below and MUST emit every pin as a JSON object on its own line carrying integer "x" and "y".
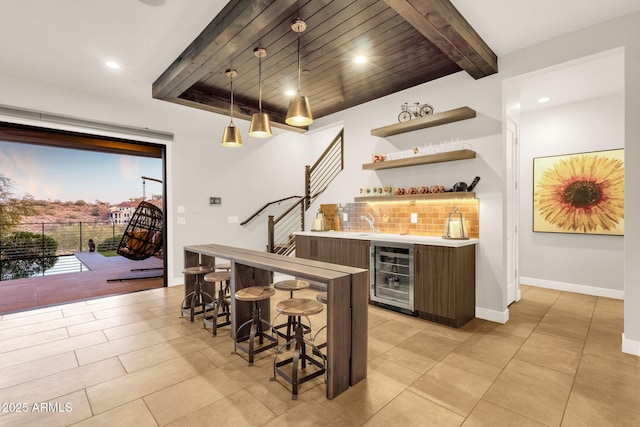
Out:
{"x": 391, "y": 272}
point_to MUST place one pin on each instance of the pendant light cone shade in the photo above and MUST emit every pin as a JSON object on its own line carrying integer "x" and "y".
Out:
{"x": 231, "y": 136}
{"x": 299, "y": 112}
{"x": 260, "y": 124}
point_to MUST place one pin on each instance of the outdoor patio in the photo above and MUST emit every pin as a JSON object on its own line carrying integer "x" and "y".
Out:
{"x": 104, "y": 278}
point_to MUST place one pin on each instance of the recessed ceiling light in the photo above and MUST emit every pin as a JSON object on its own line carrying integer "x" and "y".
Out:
{"x": 113, "y": 64}
{"x": 544, "y": 99}
{"x": 360, "y": 59}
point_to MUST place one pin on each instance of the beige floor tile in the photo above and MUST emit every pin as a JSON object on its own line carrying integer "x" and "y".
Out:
{"x": 614, "y": 385}
{"x": 64, "y": 382}
{"x": 34, "y": 328}
{"x": 60, "y": 411}
{"x": 608, "y": 315}
{"x": 102, "y": 324}
{"x": 520, "y": 325}
{"x": 33, "y": 339}
{"x": 132, "y": 414}
{"x": 608, "y": 345}
{"x": 124, "y": 345}
{"x": 118, "y": 391}
{"x": 529, "y": 308}
{"x": 544, "y": 296}
{"x": 592, "y": 411}
{"x": 362, "y": 401}
{"x": 575, "y": 304}
{"x": 564, "y": 325}
{"x": 308, "y": 414}
{"x": 456, "y": 383}
{"x": 29, "y": 371}
{"x": 559, "y": 354}
{"x": 409, "y": 409}
{"x": 146, "y": 325}
{"x": 162, "y": 352}
{"x": 237, "y": 409}
{"x": 41, "y": 351}
{"x": 490, "y": 415}
{"x": 181, "y": 399}
{"x": 421, "y": 351}
{"x": 491, "y": 347}
{"x": 12, "y": 321}
{"x": 531, "y": 391}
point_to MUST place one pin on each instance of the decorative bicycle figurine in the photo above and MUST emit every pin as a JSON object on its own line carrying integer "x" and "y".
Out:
{"x": 417, "y": 110}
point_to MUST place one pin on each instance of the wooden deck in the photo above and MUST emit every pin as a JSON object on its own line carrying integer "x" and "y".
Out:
{"x": 108, "y": 276}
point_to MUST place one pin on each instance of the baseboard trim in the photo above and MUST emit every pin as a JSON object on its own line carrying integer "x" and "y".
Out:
{"x": 492, "y": 315}
{"x": 630, "y": 346}
{"x": 572, "y": 287}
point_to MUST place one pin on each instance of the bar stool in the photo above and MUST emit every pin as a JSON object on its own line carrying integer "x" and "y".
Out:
{"x": 254, "y": 294}
{"x": 197, "y": 295}
{"x": 298, "y": 307}
{"x": 224, "y": 266}
{"x": 290, "y": 286}
{"x": 221, "y": 304}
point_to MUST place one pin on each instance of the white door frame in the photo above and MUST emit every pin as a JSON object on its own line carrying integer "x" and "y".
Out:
{"x": 512, "y": 212}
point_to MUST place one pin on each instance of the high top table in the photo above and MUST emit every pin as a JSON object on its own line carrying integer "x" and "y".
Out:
{"x": 347, "y": 291}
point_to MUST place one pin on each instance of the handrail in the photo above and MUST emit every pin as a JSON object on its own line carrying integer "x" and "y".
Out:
{"x": 266, "y": 206}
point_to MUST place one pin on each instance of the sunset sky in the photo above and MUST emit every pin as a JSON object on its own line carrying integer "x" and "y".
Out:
{"x": 49, "y": 173}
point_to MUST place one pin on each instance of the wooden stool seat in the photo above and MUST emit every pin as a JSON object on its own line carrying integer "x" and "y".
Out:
{"x": 257, "y": 325}
{"x": 255, "y": 293}
{"x": 195, "y": 297}
{"x": 217, "y": 276}
{"x": 199, "y": 269}
{"x": 226, "y": 266}
{"x": 322, "y": 297}
{"x": 221, "y": 302}
{"x": 298, "y": 307}
{"x": 291, "y": 285}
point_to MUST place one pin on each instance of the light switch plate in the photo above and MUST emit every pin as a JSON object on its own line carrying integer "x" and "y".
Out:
{"x": 345, "y": 217}
{"x": 414, "y": 218}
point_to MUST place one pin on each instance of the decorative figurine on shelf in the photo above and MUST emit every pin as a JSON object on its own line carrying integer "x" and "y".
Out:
{"x": 417, "y": 110}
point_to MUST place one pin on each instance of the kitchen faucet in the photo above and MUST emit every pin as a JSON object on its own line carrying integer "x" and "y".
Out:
{"x": 371, "y": 220}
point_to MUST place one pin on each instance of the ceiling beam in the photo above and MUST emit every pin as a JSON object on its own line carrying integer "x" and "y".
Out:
{"x": 441, "y": 23}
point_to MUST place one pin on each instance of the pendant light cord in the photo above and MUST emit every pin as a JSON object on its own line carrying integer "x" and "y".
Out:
{"x": 299, "y": 74}
{"x": 260, "y": 83}
{"x": 231, "y": 79}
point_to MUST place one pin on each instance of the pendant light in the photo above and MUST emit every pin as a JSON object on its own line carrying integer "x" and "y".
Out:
{"x": 231, "y": 136}
{"x": 299, "y": 112}
{"x": 260, "y": 125}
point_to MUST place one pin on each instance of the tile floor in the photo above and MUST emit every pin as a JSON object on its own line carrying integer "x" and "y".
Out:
{"x": 130, "y": 360}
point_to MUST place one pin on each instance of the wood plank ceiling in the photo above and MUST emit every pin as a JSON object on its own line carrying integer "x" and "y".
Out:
{"x": 408, "y": 42}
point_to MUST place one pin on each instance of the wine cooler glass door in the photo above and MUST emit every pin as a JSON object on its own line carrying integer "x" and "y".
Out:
{"x": 392, "y": 275}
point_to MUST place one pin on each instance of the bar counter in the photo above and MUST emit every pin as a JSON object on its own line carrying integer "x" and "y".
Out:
{"x": 347, "y": 290}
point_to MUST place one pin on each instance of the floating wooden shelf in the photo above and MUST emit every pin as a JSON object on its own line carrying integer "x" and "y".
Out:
{"x": 421, "y": 160}
{"x": 438, "y": 119}
{"x": 428, "y": 196}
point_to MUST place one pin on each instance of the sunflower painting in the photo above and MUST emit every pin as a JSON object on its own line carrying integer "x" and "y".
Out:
{"x": 579, "y": 193}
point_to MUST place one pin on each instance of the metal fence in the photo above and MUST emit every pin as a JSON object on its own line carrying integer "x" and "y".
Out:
{"x": 32, "y": 248}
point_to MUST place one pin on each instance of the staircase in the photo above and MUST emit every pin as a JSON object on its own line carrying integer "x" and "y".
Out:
{"x": 281, "y": 238}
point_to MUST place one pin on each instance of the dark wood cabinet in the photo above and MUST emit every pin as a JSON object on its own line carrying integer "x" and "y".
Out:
{"x": 445, "y": 278}
{"x": 349, "y": 252}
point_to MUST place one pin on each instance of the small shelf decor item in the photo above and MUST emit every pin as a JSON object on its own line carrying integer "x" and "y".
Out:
{"x": 455, "y": 226}
{"x": 416, "y": 110}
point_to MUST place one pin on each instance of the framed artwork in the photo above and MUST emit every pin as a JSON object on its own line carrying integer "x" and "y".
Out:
{"x": 579, "y": 193}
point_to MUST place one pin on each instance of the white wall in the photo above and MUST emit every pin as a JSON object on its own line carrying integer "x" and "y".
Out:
{"x": 570, "y": 261}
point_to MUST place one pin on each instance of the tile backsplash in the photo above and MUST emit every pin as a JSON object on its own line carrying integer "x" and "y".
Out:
{"x": 395, "y": 217}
